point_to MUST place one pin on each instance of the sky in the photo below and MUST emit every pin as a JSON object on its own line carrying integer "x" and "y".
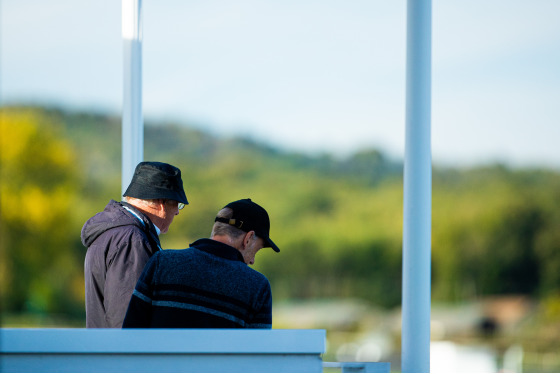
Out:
{"x": 310, "y": 76}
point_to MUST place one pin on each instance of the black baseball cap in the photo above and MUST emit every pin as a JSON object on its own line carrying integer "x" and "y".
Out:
{"x": 157, "y": 180}
{"x": 250, "y": 216}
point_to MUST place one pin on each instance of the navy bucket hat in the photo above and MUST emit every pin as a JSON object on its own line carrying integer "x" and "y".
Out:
{"x": 157, "y": 180}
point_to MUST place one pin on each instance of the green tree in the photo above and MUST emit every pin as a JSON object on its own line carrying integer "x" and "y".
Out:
{"x": 40, "y": 257}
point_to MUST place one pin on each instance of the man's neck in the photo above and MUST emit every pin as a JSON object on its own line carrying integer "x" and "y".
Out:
{"x": 146, "y": 210}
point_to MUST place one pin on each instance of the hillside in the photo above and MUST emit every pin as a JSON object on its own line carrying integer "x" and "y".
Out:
{"x": 337, "y": 221}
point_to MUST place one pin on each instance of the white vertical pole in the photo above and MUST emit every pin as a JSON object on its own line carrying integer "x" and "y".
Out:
{"x": 132, "y": 120}
{"x": 417, "y": 192}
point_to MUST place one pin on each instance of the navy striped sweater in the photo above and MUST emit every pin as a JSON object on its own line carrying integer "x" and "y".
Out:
{"x": 205, "y": 286}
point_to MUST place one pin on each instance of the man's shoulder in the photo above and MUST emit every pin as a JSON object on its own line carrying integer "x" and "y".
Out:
{"x": 129, "y": 232}
{"x": 126, "y": 228}
{"x": 115, "y": 237}
{"x": 113, "y": 217}
{"x": 175, "y": 255}
{"x": 256, "y": 275}
{"x": 184, "y": 255}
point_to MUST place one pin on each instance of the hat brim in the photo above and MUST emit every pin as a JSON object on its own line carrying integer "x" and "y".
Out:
{"x": 270, "y": 243}
{"x": 140, "y": 192}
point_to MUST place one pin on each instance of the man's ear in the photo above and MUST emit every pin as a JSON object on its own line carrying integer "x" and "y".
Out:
{"x": 247, "y": 238}
{"x": 161, "y": 205}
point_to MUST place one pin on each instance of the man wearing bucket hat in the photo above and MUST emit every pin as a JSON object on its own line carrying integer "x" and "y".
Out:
{"x": 121, "y": 239}
{"x": 209, "y": 284}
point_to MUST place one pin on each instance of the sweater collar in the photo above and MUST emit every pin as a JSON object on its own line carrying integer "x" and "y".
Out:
{"x": 217, "y": 248}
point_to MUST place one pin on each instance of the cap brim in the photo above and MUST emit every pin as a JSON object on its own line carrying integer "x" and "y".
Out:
{"x": 270, "y": 243}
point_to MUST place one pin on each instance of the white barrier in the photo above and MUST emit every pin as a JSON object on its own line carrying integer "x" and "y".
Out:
{"x": 360, "y": 367}
{"x": 161, "y": 350}
{"x": 169, "y": 350}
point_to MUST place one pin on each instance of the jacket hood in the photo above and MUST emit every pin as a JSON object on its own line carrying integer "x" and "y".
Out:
{"x": 114, "y": 215}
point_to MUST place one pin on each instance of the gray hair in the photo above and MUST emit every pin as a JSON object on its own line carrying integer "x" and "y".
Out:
{"x": 220, "y": 228}
{"x": 152, "y": 203}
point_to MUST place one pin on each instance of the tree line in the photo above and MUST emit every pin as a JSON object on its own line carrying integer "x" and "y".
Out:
{"x": 337, "y": 221}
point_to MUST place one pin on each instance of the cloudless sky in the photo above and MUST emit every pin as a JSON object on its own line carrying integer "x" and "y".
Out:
{"x": 305, "y": 75}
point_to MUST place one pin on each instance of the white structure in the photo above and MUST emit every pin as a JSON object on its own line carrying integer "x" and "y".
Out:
{"x": 161, "y": 350}
{"x": 417, "y": 220}
{"x": 169, "y": 350}
{"x": 132, "y": 119}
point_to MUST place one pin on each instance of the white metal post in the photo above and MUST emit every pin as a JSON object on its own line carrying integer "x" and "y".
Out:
{"x": 416, "y": 295}
{"x": 132, "y": 120}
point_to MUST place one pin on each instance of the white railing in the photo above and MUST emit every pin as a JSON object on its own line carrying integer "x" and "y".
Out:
{"x": 359, "y": 367}
{"x": 167, "y": 350}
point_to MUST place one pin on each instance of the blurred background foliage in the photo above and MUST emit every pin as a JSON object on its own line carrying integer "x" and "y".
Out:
{"x": 337, "y": 221}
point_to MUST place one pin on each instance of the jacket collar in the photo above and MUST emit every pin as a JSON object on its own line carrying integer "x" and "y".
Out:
{"x": 151, "y": 229}
{"x": 217, "y": 248}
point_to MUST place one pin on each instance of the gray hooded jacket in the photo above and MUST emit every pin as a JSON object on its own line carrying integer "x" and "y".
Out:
{"x": 119, "y": 246}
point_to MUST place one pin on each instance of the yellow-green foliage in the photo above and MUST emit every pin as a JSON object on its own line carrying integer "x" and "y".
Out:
{"x": 338, "y": 222}
{"x": 39, "y": 265}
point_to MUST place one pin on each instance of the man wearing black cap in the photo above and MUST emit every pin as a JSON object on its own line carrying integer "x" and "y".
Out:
{"x": 122, "y": 238}
{"x": 209, "y": 284}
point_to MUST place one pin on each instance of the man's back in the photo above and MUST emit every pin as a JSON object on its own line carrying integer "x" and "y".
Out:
{"x": 205, "y": 286}
{"x": 119, "y": 246}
